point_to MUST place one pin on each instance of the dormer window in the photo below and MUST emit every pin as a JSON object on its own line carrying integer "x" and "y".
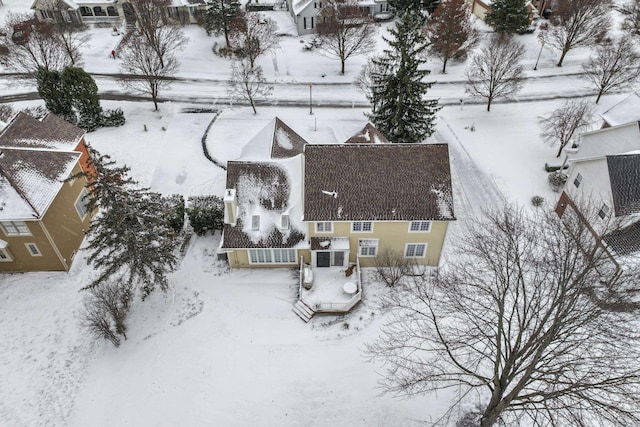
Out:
{"x": 578, "y": 180}
{"x": 255, "y": 222}
{"x": 284, "y": 221}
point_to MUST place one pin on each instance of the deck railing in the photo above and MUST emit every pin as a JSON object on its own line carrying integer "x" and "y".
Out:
{"x": 341, "y": 307}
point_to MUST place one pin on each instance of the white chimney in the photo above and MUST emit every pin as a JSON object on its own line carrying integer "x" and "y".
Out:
{"x": 230, "y": 206}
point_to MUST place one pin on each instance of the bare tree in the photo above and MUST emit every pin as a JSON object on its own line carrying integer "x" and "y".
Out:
{"x": 255, "y": 36}
{"x": 577, "y": 23}
{"x": 451, "y": 31}
{"x": 248, "y": 82}
{"x": 106, "y": 308}
{"x": 38, "y": 47}
{"x": 365, "y": 81}
{"x": 164, "y": 39}
{"x": 631, "y": 13}
{"x": 495, "y": 71}
{"x": 391, "y": 267}
{"x": 613, "y": 65}
{"x": 511, "y": 323}
{"x": 565, "y": 123}
{"x": 345, "y": 30}
{"x": 72, "y": 38}
{"x": 149, "y": 73}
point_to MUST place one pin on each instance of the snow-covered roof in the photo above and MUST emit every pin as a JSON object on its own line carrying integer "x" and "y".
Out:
{"x": 367, "y": 135}
{"x": 266, "y": 190}
{"x": 30, "y": 180}
{"x": 299, "y": 5}
{"x": 608, "y": 141}
{"x": 51, "y": 132}
{"x": 44, "y": 4}
{"x": 347, "y": 182}
{"x": 276, "y": 140}
{"x": 625, "y": 111}
{"x": 177, "y": 3}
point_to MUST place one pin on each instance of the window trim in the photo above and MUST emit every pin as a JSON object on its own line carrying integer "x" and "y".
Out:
{"x": 285, "y": 222}
{"x": 324, "y": 230}
{"x": 31, "y": 246}
{"x": 270, "y": 254}
{"x": 604, "y": 211}
{"x": 415, "y": 245}
{"x": 578, "y": 180}
{"x": 8, "y": 255}
{"x": 13, "y": 224}
{"x": 420, "y": 225}
{"x": 83, "y": 194}
{"x": 370, "y": 243}
{"x": 353, "y": 223}
{"x": 255, "y": 222}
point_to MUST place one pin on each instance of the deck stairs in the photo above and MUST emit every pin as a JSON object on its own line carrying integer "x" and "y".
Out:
{"x": 303, "y": 311}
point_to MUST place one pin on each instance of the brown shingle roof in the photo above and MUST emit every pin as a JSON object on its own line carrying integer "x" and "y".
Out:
{"x": 385, "y": 182}
{"x": 263, "y": 188}
{"x": 50, "y": 132}
{"x": 286, "y": 142}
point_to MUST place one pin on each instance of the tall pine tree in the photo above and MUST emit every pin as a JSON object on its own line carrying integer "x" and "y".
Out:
{"x": 508, "y": 16}
{"x": 221, "y": 17}
{"x": 401, "y": 111}
{"x": 130, "y": 239}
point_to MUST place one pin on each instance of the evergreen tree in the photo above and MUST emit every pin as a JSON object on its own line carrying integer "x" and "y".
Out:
{"x": 130, "y": 239}
{"x": 406, "y": 6}
{"x": 220, "y": 18}
{"x": 401, "y": 112}
{"x": 80, "y": 87}
{"x": 508, "y": 16}
{"x": 56, "y": 100}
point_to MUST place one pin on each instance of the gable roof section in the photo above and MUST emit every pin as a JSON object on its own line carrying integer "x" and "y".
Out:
{"x": 625, "y": 111}
{"x": 51, "y": 132}
{"x": 624, "y": 176}
{"x": 384, "y": 182}
{"x": 608, "y": 141}
{"x": 299, "y": 5}
{"x": 367, "y": 135}
{"x": 624, "y": 241}
{"x": 31, "y": 179}
{"x": 267, "y": 189}
{"x": 276, "y": 141}
{"x": 41, "y": 4}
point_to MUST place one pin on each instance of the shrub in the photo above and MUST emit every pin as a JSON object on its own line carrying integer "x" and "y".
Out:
{"x": 6, "y": 112}
{"x": 175, "y": 212}
{"x": 391, "y": 266}
{"x": 206, "y": 213}
{"x": 557, "y": 180}
{"x": 35, "y": 112}
{"x": 113, "y": 118}
{"x": 537, "y": 201}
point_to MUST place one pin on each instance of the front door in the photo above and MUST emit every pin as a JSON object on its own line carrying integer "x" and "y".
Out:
{"x": 323, "y": 259}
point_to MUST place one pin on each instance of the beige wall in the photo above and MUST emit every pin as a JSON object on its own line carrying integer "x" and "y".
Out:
{"x": 393, "y": 235}
{"x": 60, "y": 225}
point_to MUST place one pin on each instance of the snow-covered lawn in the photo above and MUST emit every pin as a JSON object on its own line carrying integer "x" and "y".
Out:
{"x": 223, "y": 348}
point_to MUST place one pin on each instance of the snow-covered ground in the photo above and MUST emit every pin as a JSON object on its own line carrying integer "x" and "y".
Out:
{"x": 223, "y": 348}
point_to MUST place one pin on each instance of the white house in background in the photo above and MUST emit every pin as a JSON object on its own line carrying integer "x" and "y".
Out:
{"x": 605, "y": 173}
{"x": 625, "y": 111}
{"x": 480, "y": 8}
{"x": 305, "y": 12}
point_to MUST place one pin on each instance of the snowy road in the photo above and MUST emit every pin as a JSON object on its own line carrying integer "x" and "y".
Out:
{"x": 214, "y": 91}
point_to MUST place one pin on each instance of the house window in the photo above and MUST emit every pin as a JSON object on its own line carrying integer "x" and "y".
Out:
{"x": 578, "y": 180}
{"x": 15, "y": 228}
{"x": 99, "y": 11}
{"x": 324, "y": 227}
{"x": 46, "y": 14}
{"x": 81, "y": 203}
{"x": 309, "y": 21}
{"x": 362, "y": 226}
{"x": 367, "y": 247}
{"x": 5, "y": 255}
{"x": 415, "y": 250}
{"x": 272, "y": 256}
{"x": 284, "y": 221}
{"x": 112, "y": 11}
{"x": 33, "y": 249}
{"x": 419, "y": 226}
{"x": 604, "y": 210}
{"x": 255, "y": 222}
{"x": 85, "y": 11}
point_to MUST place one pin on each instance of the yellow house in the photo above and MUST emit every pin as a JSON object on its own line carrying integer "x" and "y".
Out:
{"x": 42, "y": 215}
{"x": 335, "y": 205}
